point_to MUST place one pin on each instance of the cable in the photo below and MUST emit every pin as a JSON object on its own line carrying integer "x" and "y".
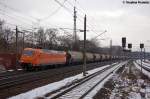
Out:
{"x": 11, "y": 23}
{"x": 84, "y": 11}
{"x": 2, "y": 13}
{"x": 80, "y": 17}
{"x": 63, "y": 6}
{"x": 73, "y": 6}
{"x": 20, "y": 26}
{"x": 15, "y": 10}
{"x": 53, "y": 13}
{"x": 13, "y": 18}
{"x": 76, "y": 7}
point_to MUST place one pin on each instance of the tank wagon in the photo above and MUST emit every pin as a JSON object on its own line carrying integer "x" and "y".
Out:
{"x": 97, "y": 57}
{"x": 74, "y": 57}
{"x": 103, "y": 57}
{"x": 32, "y": 58}
{"x": 89, "y": 57}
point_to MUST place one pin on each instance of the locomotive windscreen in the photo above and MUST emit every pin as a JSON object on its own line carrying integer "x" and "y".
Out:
{"x": 27, "y": 52}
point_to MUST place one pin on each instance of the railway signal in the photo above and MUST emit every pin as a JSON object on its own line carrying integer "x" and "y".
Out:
{"x": 141, "y": 46}
{"x": 123, "y": 45}
{"x": 144, "y": 54}
{"x": 123, "y": 42}
{"x": 130, "y": 46}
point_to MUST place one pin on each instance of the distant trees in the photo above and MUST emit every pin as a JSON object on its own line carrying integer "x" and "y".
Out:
{"x": 66, "y": 41}
{"x": 50, "y": 38}
{"x": 40, "y": 37}
{"x": 51, "y": 35}
{"x": 2, "y": 40}
{"x": 6, "y": 37}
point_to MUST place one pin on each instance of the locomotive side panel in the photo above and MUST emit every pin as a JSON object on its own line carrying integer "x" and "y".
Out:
{"x": 33, "y": 58}
{"x": 50, "y": 57}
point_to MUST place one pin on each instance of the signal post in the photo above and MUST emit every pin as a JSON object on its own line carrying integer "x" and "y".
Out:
{"x": 84, "y": 50}
{"x": 141, "y": 47}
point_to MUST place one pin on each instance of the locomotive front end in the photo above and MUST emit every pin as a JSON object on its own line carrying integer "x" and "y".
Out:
{"x": 27, "y": 58}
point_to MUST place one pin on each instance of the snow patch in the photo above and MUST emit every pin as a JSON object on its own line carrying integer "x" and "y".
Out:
{"x": 95, "y": 90}
{"x": 53, "y": 86}
{"x": 143, "y": 70}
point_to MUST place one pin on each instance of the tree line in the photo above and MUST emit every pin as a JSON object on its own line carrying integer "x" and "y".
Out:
{"x": 50, "y": 38}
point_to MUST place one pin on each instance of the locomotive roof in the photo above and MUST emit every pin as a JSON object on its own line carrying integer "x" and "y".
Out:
{"x": 53, "y": 51}
{"x": 46, "y": 50}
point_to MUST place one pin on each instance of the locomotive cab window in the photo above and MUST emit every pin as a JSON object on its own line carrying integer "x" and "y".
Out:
{"x": 28, "y": 53}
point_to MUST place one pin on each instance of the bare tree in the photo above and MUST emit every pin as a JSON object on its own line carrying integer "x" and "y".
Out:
{"x": 51, "y": 35}
{"x": 3, "y": 42}
{"x": 66, "y": 41}
{"x": 40, "y": 37}
{"x": 1, "y": 29}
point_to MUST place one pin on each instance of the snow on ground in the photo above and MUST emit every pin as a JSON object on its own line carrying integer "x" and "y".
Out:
{"x": 127, "y": 83}
{"x": 143, "y": 70}
{"x": 147, "y": 61}
{"x": 53, "y": 86}
{"x": 10, "y": 70}
{"x": 145, "y": 64}
{"x": 77, "y": 92}
{"x": 2, "y": 68}
{"x": 95, "y": 90}
{"x": 131, "y": 85}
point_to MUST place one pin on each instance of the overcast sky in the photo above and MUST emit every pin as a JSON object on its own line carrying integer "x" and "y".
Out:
{"x": 120, "y": 20}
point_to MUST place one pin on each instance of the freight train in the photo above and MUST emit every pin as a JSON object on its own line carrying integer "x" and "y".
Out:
{"x": 32, "y": 58}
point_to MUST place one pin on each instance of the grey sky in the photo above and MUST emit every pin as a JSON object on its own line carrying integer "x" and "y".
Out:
{"x": 132, "y": 21}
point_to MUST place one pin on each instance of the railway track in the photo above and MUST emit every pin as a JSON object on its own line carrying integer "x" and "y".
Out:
{"x": 16, "y": 79}
{"x": 11, "y": 73}
{"x": 7, "y": 74}
{"x": 146, "y": 68}
{"x": 81, "y": 88}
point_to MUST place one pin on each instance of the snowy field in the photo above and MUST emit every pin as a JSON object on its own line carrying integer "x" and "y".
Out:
{"x": 127, "y": 83}
{"x": 97, "y": 88}
{"x": 143, "y": 70}
{"x": 56, "y": 85}
{"x": 145, "y": 64}
{"x": 2, "y": 69}
{"x": 133, "y": 88}
{"x": 78, "y": 91}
